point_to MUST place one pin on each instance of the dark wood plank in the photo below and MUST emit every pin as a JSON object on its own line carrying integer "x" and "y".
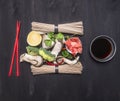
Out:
{"x": 99, "y": 82}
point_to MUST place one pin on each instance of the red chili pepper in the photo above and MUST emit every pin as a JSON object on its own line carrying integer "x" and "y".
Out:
{"x": 50, "y": 63}
{"x": 53, "y": 64}
{"x": 15, "y": 51}
{"x": 59, "y": 63}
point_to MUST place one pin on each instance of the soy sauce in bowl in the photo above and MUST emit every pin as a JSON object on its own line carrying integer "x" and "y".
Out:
{"x": 102, "y": 48}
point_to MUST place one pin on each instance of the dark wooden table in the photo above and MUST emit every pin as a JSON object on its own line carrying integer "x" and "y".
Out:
{"x": 98, "y": 82}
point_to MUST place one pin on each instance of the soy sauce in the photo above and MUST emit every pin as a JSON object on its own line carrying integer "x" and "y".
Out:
{"x": 101, "y": 48}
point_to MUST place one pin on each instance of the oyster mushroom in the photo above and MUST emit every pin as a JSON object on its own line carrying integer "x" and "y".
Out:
{"x": 34, "y": 60}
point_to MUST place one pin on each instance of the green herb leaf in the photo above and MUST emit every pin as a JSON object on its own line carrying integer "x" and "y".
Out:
{"x": 67, "y": 37}
{"x": 48, "y": 43}
{"x": 51, "y": 36}
{"x": 66, "y": 54}
{"x": 70, "y": 56}
{"x": 60, "y": 36}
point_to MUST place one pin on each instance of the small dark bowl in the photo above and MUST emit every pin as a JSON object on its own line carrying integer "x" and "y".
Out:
{"x": 102, "y": 48}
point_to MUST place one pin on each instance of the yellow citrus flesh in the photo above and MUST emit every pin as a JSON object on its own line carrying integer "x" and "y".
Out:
{"x": 34, "y": 38}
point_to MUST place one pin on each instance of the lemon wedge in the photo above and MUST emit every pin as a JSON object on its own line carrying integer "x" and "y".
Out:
{"x": 34, "y": 38}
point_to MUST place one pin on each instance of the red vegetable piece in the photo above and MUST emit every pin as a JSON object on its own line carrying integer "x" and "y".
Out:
{"x": 74, "y": 45}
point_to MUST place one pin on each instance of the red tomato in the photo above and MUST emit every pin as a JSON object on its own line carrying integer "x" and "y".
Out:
{"x": 74, "y": 45}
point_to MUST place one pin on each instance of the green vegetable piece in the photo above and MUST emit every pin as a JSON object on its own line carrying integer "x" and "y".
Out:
{"x": 48, "y": 43}
{"x": 46, "y": 55}
{"x": 32, "y": 50}
{"x": 70, "y": 56}
{"x": 53, "y": 39}
{"x": 66, "y": 54}
{"x": 51, "y": 36}
{"x": 67, "y": 37}
{"x": 60, "y": 36}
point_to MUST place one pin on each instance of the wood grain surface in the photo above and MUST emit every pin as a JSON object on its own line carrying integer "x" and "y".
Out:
{"x": 98, "y": 82}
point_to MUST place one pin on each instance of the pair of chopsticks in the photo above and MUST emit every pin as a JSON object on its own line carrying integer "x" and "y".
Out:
{"x": 15, "y": 51}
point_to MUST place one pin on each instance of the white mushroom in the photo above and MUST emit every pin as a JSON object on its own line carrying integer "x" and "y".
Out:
{"x": 57, "y": 48}
{"x": 70, "y": 62}
{"x": 34, "y": 60}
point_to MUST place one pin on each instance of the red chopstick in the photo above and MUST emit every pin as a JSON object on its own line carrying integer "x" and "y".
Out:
{"x": 15, "y": 51}
{"x": 17, "y": 59}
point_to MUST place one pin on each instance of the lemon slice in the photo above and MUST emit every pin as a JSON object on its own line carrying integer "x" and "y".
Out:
{"x": 34, "y": 38}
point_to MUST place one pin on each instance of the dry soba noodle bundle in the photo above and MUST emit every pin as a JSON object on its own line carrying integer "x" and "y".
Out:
{"x": 64, "y": 69}
{"x": 71, "y": 28}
